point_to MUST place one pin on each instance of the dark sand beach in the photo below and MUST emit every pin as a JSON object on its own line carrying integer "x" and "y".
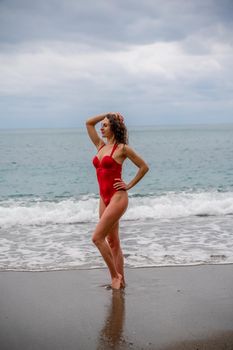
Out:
{"x": 168, "y": 308}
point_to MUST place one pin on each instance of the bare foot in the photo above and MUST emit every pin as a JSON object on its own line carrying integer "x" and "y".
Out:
{"x": 117, "y": 282}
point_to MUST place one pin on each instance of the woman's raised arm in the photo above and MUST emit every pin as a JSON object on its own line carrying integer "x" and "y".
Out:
{"x": 90, "y": 124}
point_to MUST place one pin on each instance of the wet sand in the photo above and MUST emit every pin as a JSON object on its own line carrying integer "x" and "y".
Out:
{"x": 167, "y": 308}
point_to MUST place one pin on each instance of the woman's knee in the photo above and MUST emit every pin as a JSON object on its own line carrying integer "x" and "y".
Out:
{"x": 97, "y": 240}
{"x": 113, "y": 242}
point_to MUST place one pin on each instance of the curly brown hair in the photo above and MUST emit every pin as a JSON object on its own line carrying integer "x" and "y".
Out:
{"x": 118, "y": 128}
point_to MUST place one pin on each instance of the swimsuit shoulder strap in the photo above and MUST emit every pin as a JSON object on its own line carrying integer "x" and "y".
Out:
{"x": 113, "y": 149}
{"x": 101, "y": 147}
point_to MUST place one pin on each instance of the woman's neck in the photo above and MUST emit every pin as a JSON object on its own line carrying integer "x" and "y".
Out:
{"x": 111, "y": 141}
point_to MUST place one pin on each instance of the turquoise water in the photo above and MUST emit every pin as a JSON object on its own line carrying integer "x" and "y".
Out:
{"x": 180, "y": 213}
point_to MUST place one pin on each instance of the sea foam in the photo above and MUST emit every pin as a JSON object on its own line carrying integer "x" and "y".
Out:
{"x": 85, "y": 209}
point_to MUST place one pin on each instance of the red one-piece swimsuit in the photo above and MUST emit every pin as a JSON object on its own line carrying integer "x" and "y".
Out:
{"x": 107, "y": 170}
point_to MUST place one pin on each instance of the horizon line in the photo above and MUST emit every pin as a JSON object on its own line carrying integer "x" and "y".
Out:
{"x": 129, "y": 125}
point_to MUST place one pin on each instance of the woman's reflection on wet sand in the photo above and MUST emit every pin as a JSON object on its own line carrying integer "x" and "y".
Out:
{"x": 111, "y": 335}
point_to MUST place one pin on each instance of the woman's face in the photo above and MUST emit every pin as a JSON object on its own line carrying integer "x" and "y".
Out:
{"x": 105, "y": 128}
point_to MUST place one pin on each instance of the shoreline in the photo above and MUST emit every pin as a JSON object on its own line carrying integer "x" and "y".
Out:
{"x": 167, "y": 308}
{"x": 127, "y": 268}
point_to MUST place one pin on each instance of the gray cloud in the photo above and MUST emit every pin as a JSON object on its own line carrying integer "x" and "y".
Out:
{"x": 105, "y": 21}
{"x": 62, "y": 60}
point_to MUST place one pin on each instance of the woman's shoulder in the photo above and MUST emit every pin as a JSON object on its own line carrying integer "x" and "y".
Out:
{"x": 100, "y": 145}
{"x": 121, "y": 146}
{"x": 124, "y": 148}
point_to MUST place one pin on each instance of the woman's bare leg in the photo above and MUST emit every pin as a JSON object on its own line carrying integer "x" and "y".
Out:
{"x": 114, "y": 243}
{"x": 110, "y": 216}
{"x": 102, "y": 207}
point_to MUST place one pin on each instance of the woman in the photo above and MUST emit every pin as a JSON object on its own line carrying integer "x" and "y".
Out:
{"x": 113, "y": 190}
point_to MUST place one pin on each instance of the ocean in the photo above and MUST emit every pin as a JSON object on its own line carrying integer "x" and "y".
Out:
{"x": 180, "y": 213}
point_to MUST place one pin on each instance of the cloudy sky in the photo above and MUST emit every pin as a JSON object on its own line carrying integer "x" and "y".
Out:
{"x": 155, "y": 61}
